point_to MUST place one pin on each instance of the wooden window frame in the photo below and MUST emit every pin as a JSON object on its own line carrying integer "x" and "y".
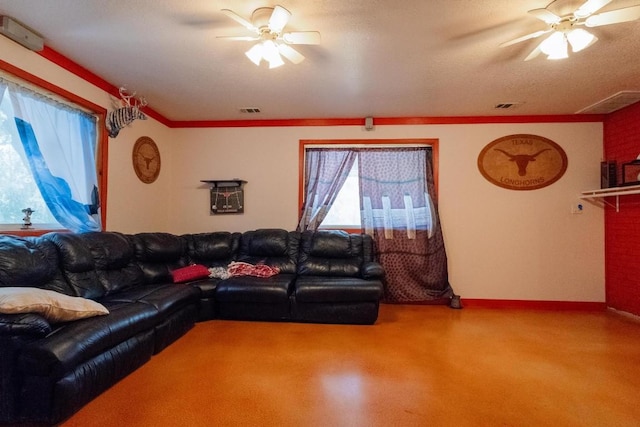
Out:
{"x": 102, "y": 156}
{"x": 310, "y": 143}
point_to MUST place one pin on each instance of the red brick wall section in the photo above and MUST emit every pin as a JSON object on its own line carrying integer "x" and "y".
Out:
{"x": 622, "y": 229}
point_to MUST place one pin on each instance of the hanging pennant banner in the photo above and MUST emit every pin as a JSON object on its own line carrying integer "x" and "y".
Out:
{"x": 522, "y": 162}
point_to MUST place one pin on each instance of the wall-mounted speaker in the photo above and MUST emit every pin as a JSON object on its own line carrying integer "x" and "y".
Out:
{"x": 19, "y": 33}
{"x": 368, "y": 123}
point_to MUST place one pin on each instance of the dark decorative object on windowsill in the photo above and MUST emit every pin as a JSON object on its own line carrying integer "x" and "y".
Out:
{"x": 27, "y": 218}
{"x": 631, "y": 173}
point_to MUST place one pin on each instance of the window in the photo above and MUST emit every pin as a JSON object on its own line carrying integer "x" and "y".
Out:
{"x": 18, "y": 189}
{"x": 345, "y": 210}
{"x": 48, "y": 156}
{"x": 334, "y": 183}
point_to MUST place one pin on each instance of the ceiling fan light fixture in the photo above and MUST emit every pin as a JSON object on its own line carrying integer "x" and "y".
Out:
{"x": 555, "y": 46}
{"x": 266, "y": 50}
{"x": 580, "y": 39}
{"x": 276, "y": 62}
{"x": 271, "y": 54}
{"x": 558, "y": 55}
{"x": 255, "y": 54}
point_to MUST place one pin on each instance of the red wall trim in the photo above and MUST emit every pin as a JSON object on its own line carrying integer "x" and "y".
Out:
{"x": 98, "y": 81}
{"x": 390, "y": 121}
{"x": 534, "y": 305}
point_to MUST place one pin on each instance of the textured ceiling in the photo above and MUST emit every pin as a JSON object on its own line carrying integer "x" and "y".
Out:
{"x": 409, "y": 58}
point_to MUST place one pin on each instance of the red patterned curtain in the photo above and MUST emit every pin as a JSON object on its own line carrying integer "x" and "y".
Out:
{"x": 399, "y": 211}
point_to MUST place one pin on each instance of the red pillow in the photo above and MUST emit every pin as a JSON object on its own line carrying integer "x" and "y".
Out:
{"x": 189, "y": 273}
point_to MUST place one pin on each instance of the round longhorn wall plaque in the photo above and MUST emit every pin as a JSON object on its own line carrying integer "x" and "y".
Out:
{"x": 522, "y": 162}
{"x": 146, "y": 159}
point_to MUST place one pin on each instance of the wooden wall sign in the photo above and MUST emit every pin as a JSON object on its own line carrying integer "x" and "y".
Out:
{"x": 146, "y": 159}
{"x": 522, "y": 162}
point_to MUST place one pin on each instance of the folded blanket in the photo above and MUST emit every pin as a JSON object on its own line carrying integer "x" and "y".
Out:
{"x": 219, "y": 273}
{"x": 246, "y": 269}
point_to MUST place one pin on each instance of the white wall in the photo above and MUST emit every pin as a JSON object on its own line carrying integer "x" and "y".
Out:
{"x": 502, "y": 244}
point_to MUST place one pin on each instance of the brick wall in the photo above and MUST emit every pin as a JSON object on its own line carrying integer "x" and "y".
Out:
{"x": 622, "y": 229}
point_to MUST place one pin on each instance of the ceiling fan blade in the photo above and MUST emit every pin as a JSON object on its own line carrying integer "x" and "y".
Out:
{"x": 534, "y": 53}
{"x": 239, "y": 38}
{"x": 279, "y": 18}
{"x": 290, "y": 53}
{"x": 590, "y": 7}
{"x": 527, "y": 37}
{"x": 239, "y": 19}
{"x": 302, "y": 37}
{"x": 545, "y": 15}
{"x": 613, "y": 17}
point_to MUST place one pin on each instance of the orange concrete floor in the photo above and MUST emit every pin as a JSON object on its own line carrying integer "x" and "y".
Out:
{"x": 418, "y": 366}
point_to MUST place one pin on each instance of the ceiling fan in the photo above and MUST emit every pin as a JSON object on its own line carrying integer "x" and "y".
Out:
{"x": 565, "y": 28}
{"x": 268, "y": 24}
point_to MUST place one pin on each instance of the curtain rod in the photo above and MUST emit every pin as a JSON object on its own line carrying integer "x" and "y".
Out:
{"x": 40, "y": 93}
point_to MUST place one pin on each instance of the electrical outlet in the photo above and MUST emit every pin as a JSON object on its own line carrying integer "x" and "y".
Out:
{"x": 577, "y": 208}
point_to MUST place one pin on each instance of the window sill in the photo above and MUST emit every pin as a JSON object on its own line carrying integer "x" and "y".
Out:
{"x": 347, "y": 228}
{"x": 35, "y": 230}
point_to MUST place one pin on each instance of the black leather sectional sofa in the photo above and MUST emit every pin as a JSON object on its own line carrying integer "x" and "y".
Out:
{"x": 49, "y": 369}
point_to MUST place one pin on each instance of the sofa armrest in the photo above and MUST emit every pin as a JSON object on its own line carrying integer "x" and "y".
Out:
{"x": 372, "y": 270}
{"x": 24, "y": 325}
{"x": 16, "y": 331}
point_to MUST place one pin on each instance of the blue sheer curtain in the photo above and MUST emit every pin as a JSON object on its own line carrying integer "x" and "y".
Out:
{"x": 60, "y": 143}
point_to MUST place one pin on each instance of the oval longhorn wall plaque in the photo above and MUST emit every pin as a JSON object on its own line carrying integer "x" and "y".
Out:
{"x": 522, "y": 162}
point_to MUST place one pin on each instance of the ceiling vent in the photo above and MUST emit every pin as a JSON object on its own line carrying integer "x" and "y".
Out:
{"x": 249, "y": 110}
{"x": 507, "y": 105}
{"x": 612, "y": 103}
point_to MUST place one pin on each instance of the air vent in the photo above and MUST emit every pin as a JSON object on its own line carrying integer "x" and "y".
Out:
{"x": 507, "y": 105}
{"x": 250, "y": 110}
{"x": 612, "y": 103}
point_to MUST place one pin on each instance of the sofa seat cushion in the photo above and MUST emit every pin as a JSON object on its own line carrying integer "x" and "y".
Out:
{"x": 73, "y": 343}
{"x": 336, "y": 289}
{"x": 165, "y": 298}
{"x": 207, "y": 287}
{"x": 274, "y": 289}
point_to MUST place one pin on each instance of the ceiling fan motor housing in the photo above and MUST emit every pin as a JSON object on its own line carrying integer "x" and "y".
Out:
{"x": 260, "y": 18}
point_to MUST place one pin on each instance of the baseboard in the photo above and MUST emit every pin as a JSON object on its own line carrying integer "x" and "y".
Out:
{"x": 534, "y": 305}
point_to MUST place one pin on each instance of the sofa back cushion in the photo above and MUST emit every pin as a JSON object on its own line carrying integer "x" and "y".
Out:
{"x": 158, "y": 254}
{"x": 270, "y": 246}
{"x": 331, "y": 253}
{"x": 215, "y": 249}
{"x": 97, "y": 263}
{"x": 31, "y": 262}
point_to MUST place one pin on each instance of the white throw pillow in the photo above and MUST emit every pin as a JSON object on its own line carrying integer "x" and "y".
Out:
{"x": 53, "y": 306}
